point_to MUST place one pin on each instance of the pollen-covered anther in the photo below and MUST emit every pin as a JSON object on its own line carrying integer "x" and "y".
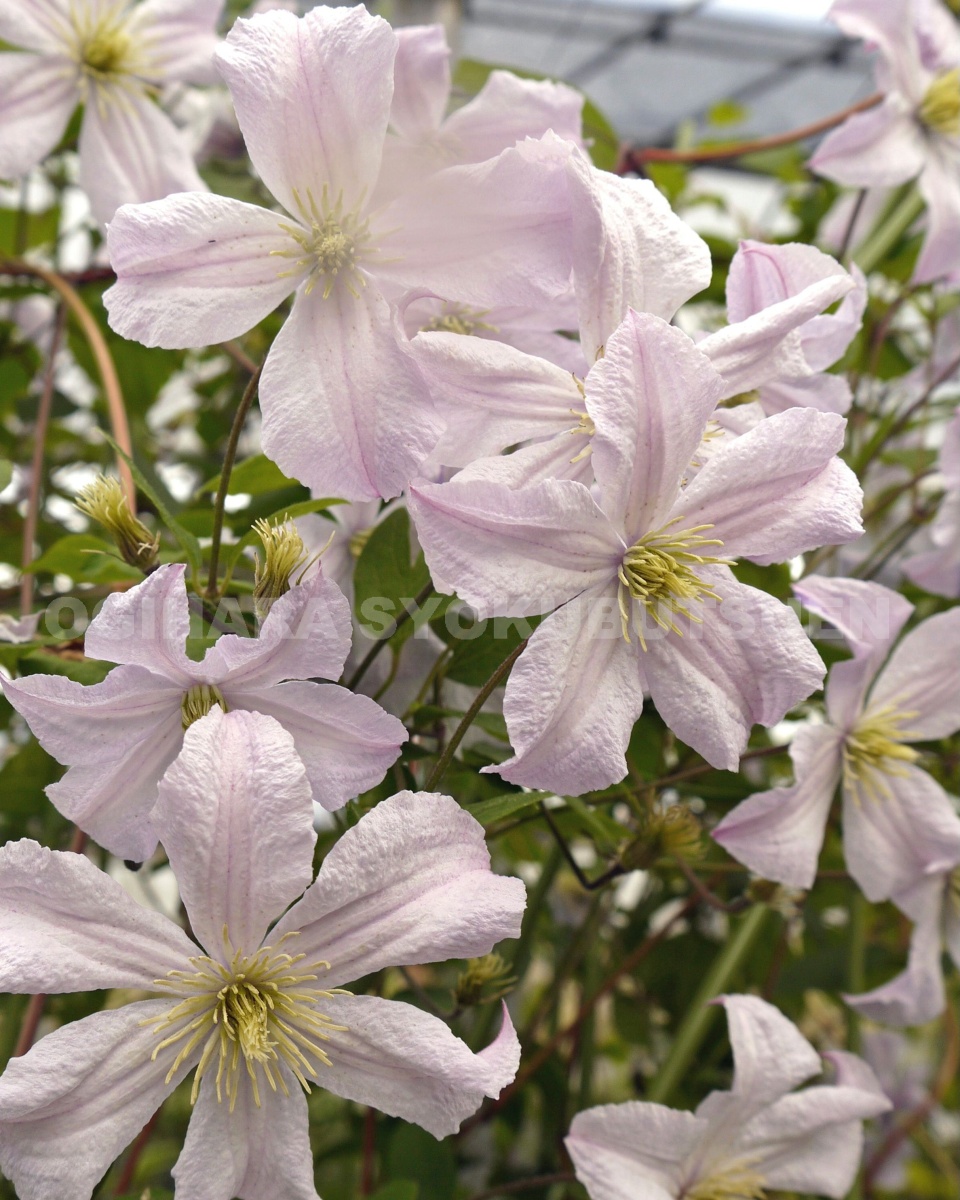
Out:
{"x": 874, "y": 749}
{"x": 736, "y": 1181}
{"x": 102, "y": 44}
{"x": 254, "y": 1013}
{"x": 660, "y": 572}
{"x": 330, "y": 245}
{"x": 284, "y": 555}
{"x": 940, "y": 110}
{"x": 198, "y": 701}
{"x": 460, "y": 320}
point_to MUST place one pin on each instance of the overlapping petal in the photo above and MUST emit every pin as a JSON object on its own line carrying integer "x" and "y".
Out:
{"x": 631, "y": 1151}
{"x": 922, "y": 679}
{"x": 37, "y": 96}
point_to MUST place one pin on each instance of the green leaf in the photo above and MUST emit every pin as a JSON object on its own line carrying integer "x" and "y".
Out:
{"x": 727, "y": 112}
{"x": 253, "y": 475}
{"x": 79, "y": 669}
{"x": 387, "y": 579}
{"x": 85, "y": 558}
{"x": 188, "y": 543}
{"x": 6, "y": 473}
{"x": 496, "y": 808}
{"x": 479, "y": 647}
{"x": 417, "y": 1156}
{"x": 400, "y": 1189}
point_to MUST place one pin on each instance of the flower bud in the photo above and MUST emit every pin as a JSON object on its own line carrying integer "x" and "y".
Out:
{"x": 666, "y": 832}
{"x": 485, "y": 979}
{"x": 284, "y": 553}
{"x": 104, "y": 501}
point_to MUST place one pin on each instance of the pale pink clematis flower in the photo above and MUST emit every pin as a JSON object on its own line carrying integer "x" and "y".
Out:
{"x": 109, "y": 56}
{"x": 118, "y": 737}
{"x": 762, "y": 277}
{"x": 257, "y": 1008}
{"x": 649, "y": 602}
{"x": 938, "y": 570}
{"x": 915, "y": 132}
{"x": 898, "y": 823}
{"x": 917, "y": 995}
{"x": 345, "y": 408}
{"x": 759, "y": 1135}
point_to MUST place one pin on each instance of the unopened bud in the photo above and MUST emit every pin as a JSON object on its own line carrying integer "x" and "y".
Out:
{"x": 104, "y": 501}
{"x": 666, "y": 832}
{"x": 484, "y": 980}
{"x": 284, "y": 553}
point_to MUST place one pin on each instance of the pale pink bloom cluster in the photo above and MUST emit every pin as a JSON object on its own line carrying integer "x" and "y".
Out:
{"x": 759, "y": 1135}
{"x": 113, "y": 57}
{"x": 915, "y": 132}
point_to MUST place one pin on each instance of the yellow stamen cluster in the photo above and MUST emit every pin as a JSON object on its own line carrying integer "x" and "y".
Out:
{"x": 873, "y": 749}
{"x": 332, "y": 248}
{"x": 104, "y": 501}
{"x": 734, "y": 1182}
{"x": 460, "y": 320}
{"x": 584, "y": 428}
{"x": 940, "y": 110}
{"x": 284, "y": 554}
{"x": 198, "y": 702}
{"x": 358, "y": 541}
{"x": 101, "y": 43}
{"x": 659, "y": 572}
{"x": 256, "y": 1014}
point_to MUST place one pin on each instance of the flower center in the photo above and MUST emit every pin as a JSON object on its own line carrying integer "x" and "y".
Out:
{"x": 940, "y": 110}
{"x": 659, "y": 572}
{"x": 735, "y": 1182}
{"x": 256, "y": 1014}
{"x": 100, "y": 43}
{"x": 330, "y": 245}
{"x": 198, "y": 701}
{"x": 873, "y": 749}
{"x": 459, "y": 320}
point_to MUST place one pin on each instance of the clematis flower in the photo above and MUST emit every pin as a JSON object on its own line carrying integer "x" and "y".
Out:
{"x": 256, "y": 1009}
{"x": 917, "y": 995}
{"x": 938, "y": 570}
{"x": 111, "y": 56}
{"x": 762, "y": 277}
{"x": 118, "y": 737}
{"x": 642, "y": 574}
{"x": 761, "y": 1134}
{"x": 915, "y": 132}
{"x": 898, "y": 823}
{"x": 345, "y": 408}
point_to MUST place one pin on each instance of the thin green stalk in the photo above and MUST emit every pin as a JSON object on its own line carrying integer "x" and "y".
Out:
{"x": 229, "y": 458}
{"x": 418, "y": 602}
{"x": 471, "y": 715}
{"x": 694, "y": 1026}
{"x": 881, "y": 240}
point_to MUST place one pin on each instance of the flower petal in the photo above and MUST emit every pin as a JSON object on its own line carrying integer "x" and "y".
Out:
{"x": 236, "y": 820}
{"x": 630, "y": 251}
{"x": 409, "y": 884}
{"x": 131, "y": 152}
{"x": 644, "y": 438}
{"x": 37, "y": 97}
{"x": 32, "y": 24}
{"x": 194, "y": 269}
{"x": 909, "y": 830}
{"x": 870, "y": 617}
{"x": 345, "y": 742}
{"x": 515, "y": 553}
{"x": 66, "y": 926}
{"x": 312, "y": 96}
{"x": 572, "y": 699}
{"x": 252, "y": 1152}
{"x": 69, "y": 1106}
{"x": 632, "y": 1151}
{"x": 878, "y": 148}
{"x": 345, "y": 408}
{"x": 89, "y": 726}
{"x": 491, "y": 395}
{"x": 183, "y": 37}
{"x": 147, "y": 626}
{"x": 407, "y": 1063}
{"x": 922, "y": 677}
{"x": 778, "y": 490}
{"x": 421, "y": 81}
{"x": 112, "y": 800}
{"x": 778, "y": 833}
{"x": 748, "y": 663}
{"x": 306, "y": 633}
{"x": 917, "y": 995}
{"x": 940, "y": 257}
{"x": 770, "y": 1054}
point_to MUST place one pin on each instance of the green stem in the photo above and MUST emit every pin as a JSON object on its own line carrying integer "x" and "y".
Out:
{"x": 694, "y": 1026}
{"x": 418, "y": 602}
{"x": 882, "y": 239}
{"x": 471, "y": 715}
{"x": 857, "y": 969}
{"x": 229, "y": 457}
